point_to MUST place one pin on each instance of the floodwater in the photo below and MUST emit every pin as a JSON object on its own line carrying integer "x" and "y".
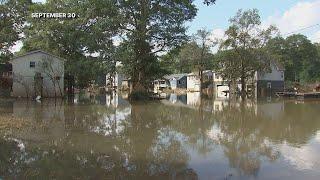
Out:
{"x": 182, "y": 137}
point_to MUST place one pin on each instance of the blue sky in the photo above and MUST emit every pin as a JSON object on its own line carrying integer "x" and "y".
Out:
{"x": 217, "y": 16}
{"x": 287, "y": 15}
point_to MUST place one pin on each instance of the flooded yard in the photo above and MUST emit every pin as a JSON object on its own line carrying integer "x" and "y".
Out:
{"x": 181, "y": 137}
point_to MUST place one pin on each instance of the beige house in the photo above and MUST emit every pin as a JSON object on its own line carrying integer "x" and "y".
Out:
{"x": 37, "y": 73}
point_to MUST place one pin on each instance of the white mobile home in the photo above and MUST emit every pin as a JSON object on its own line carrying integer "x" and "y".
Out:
{"x": 37, "y": 73}
{"x": 193, "y": 82}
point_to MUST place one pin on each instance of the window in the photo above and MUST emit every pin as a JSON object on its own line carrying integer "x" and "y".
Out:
{"x": 179, "y": 82}
{"x": 32, "y": 64}
{"x": 269, "y": 85}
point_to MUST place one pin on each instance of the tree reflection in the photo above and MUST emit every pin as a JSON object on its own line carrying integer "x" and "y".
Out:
{"x": 151, "y": 140}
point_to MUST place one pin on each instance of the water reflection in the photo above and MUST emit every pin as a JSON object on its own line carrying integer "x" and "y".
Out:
{"x": 182, "y": 137}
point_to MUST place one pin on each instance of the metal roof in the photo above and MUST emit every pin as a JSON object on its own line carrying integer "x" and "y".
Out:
{"x": 38, "y": 51}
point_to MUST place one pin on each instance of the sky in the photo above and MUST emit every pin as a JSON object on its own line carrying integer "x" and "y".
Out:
{"x": 287, "y": 15}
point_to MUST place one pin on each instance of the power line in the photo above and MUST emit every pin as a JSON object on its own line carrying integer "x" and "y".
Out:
{"x": 301, "y": 29}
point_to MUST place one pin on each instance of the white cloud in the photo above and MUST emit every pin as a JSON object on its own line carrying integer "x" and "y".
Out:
{"x": 316, "y": 37}
{"x": 216, "y": 36}
{"x": 17, "y": 47}
{"x": 301, "y": 15}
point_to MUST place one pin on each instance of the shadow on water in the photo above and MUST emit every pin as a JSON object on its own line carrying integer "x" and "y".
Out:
{"x": 181, "y": 137}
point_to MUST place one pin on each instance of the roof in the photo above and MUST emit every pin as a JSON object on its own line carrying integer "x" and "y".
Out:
{"x": 278, "y": 65}
{"x": 38, "y": 51}
{"x": 192, "y": 74}
{"x": 175, "y": 76}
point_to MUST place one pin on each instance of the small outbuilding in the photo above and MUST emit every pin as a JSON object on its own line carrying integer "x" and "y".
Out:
{"x": 37, "y": 73}
{"x": 193, "y": 82}
{"x": 177, "y": 81}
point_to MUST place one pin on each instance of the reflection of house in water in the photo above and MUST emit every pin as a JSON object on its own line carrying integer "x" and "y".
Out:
{"x": 272, "y": 110}
{"x": 112, "y": 99}
{"x": 219, "y": 104}
{"x": 193, "y": 98}
{"x": 6, "y": 107}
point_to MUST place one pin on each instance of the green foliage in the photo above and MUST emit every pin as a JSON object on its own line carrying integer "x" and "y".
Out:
{"x": 151, "y": 27}
{"x": 300, "y": 57}
{"x": 12, "y": 19}
{"x": 192, "y": 56}
{"x": 148, "y": 27}
{"x": 76, "y": 39}
{"x": 226, "y": 63}
{"x": 246, "y": 42}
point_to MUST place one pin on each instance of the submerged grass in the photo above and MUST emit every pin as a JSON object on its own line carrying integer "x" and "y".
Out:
{"x": 8, "y": 122}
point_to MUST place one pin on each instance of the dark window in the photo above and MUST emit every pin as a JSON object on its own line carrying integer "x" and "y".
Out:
{"x": 179, "y": 82}
{"x": 32, "y": 64}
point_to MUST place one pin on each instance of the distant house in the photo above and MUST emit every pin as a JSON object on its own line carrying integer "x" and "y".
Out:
{"x": 37, "y": 73}
{"x": 160, "y": 84}
{"x": 262, "y": 82}
{"x": 114, "y": 81}
{"x": 177, "y": 81}
{"x": 269, "y": 82}
{"x": 193, "y": 82}
{"x": 220, "y": 86}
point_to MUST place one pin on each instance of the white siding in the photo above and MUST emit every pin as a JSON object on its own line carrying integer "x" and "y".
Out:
{"x": 24, "y": 75}
{"x": 274, "y": 75}
{"x": 193, "y": 83}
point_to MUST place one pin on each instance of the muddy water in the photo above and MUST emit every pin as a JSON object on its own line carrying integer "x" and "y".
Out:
{"x": 182, "y": 137}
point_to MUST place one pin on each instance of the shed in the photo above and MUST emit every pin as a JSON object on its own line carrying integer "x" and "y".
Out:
{"x": 37, "y": 73}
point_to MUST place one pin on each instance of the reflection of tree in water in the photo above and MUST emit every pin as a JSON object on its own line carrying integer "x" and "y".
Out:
{"x": 146, "y": 152}
{"x": 194, "y": 123}
{"x": 153, "y": 140}
{"x": 135, "y": 152}
{"x": 298, "y": 123}
{"x": 241, "y": 138}
{"x": 247, "y": 134}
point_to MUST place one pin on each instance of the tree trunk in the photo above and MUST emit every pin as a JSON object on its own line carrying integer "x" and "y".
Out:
{"x": 142, "y": 51}
{"x": 243, "y": 87}
{"x": 233, "y": 87}
{"x": 201, "y": 80}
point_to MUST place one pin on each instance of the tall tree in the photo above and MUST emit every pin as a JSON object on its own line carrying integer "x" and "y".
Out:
{"x": 12, "y": 19}
{"x": 246, "y": 38}
{"x": 300, "y": 57}
{"x": 202, "y": 38}
{"x": 85, "y": 42}
{"x": 153, "y": 26}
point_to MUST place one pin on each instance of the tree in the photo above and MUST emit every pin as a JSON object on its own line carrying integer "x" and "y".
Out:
{"x": 12, "y": 19}
{"x": 85, "y": 42}
{"x": 202, "y": 38}
{"x": 300, "y": 57}
{"x": 246, "y": 38}
{"x": 227, "y": 68}
{"x": 53, "y": 73}
{"x": 147, "y": 26}
{"x": 152, "y": 26}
